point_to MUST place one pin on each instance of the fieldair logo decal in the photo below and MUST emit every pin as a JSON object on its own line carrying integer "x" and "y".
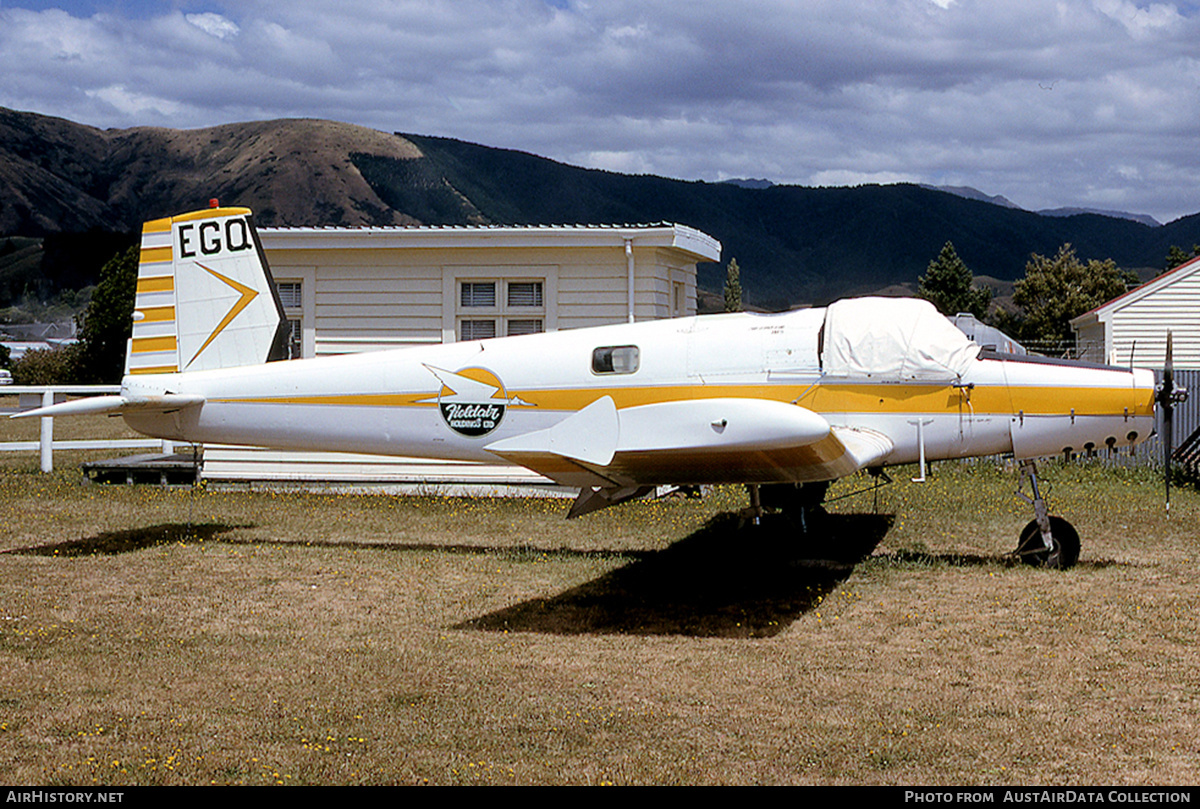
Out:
{"x": 472, "y": 401}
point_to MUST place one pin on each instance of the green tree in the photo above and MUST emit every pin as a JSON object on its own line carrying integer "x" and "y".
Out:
{"x": 733, "y": 287}
{"x": 1177, "y": 255}
{"x": 949, "y": 285}
{"x": 108, "y": 321}
{"x": 1055, "y": 290}
{"x": 5, "y": 357}
{"x": 54, "y": 366}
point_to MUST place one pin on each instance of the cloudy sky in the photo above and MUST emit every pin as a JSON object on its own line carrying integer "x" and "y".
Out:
{"x": 1051, "y": 103}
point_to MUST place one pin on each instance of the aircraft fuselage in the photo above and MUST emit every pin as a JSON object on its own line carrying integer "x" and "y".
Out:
{"x": 672, "y": 381}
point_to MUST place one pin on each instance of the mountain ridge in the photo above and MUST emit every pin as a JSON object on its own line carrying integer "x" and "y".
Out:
{"x": 795, "y": 244}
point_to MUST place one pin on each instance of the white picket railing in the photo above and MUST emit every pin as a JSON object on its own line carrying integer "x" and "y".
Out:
{"x": 34, "y": 396}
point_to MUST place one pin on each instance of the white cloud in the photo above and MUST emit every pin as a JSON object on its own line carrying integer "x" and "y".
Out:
{"x": 628, "y": 162}
{"x": 1045, "y": 103}
{"x": 849, "y": 177}
{"x": 134, "y": 104}
{"x": 1141, "y": 21}
{"x": 213, "y": 24}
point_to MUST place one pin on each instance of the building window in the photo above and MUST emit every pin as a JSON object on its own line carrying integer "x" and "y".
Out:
{"x": 518, "y": 307}
{"x": 292, "y": 298}
{"x": 525, "y": 294}
{"x": 477, "y": 294}
{"x": 476, "y": 329}
{"x": 295, "y": 346}
{"x": 289, "y": 294}
{"x": 524, "y": 326}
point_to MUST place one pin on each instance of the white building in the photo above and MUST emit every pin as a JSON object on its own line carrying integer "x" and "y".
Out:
{"x": 362, "y": 289}
{"x": 366, "y": 289}
{"x": 1132, "y": 330}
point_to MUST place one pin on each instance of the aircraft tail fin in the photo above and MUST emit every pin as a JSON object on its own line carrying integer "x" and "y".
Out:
{"x": 205, "y": 296}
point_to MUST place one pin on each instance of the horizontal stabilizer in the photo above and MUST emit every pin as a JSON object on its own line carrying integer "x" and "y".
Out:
{"x": 114, "y": 405}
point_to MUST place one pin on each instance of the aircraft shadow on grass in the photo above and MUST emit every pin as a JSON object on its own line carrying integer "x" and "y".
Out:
{"x": 725, "y": 580}
{"x": 111, "y": 543}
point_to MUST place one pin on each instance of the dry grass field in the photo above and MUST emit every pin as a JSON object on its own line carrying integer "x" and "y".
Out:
{"x": 198, "y": 636}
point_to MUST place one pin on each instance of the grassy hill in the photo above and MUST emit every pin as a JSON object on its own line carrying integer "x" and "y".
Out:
{"x": 794, "y": 244}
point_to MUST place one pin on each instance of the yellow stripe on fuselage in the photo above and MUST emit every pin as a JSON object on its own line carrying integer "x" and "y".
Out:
{"x": 341, "y": 399}
{"x": 1081, "y": 401}
{"x": 990, "y": 400}
{"x": 826, "y": 398}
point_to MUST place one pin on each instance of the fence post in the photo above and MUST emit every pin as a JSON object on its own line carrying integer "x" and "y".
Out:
{"x": 46, "y": 444}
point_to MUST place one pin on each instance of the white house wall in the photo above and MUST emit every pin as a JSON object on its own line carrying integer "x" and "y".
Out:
{"x": 1132, "y": 329}
{"x": 1091, "y": 345}
{"x": 656, "y": 287}
{"x": 1145, "y": 322}
{"x": 379, "y": 298}
{"x": 360, "y": 302}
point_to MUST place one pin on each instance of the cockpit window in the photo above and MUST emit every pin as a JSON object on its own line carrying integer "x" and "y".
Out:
{"x": 615, "y": 360}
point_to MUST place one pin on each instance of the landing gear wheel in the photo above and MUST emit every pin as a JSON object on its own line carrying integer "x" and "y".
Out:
{"x": 1064, "y": 550}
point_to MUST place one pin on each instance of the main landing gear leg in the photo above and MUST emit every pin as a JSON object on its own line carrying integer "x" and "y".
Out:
{"x": 1046, "y": 541}
{"x": 754, "y": 513}
{"x": 799, "y": 502}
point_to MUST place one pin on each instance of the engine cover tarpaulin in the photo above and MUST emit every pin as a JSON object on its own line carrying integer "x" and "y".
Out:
{"x": 894, "y": 340}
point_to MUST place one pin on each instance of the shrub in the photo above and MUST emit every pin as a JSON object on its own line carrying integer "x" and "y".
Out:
{"x": 58, "y": 366}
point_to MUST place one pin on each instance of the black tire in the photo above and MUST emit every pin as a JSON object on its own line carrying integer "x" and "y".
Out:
{"x": 1064, "y": 551}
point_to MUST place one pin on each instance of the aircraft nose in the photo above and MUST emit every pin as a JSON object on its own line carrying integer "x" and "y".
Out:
{"x": 1143, "y": 385}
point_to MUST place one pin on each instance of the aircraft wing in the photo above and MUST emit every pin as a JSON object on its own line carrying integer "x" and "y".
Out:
{"x": 115, "y": 405}
{"x": 863, "y": 447}
{"x": 724, "y": 440}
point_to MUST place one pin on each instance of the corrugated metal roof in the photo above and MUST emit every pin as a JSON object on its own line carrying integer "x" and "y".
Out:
{"x": 395, "y": 228}
{"x": 662, "y": 234}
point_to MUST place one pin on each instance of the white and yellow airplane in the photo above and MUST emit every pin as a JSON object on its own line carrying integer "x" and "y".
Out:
{"x": 802, "y": 397}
